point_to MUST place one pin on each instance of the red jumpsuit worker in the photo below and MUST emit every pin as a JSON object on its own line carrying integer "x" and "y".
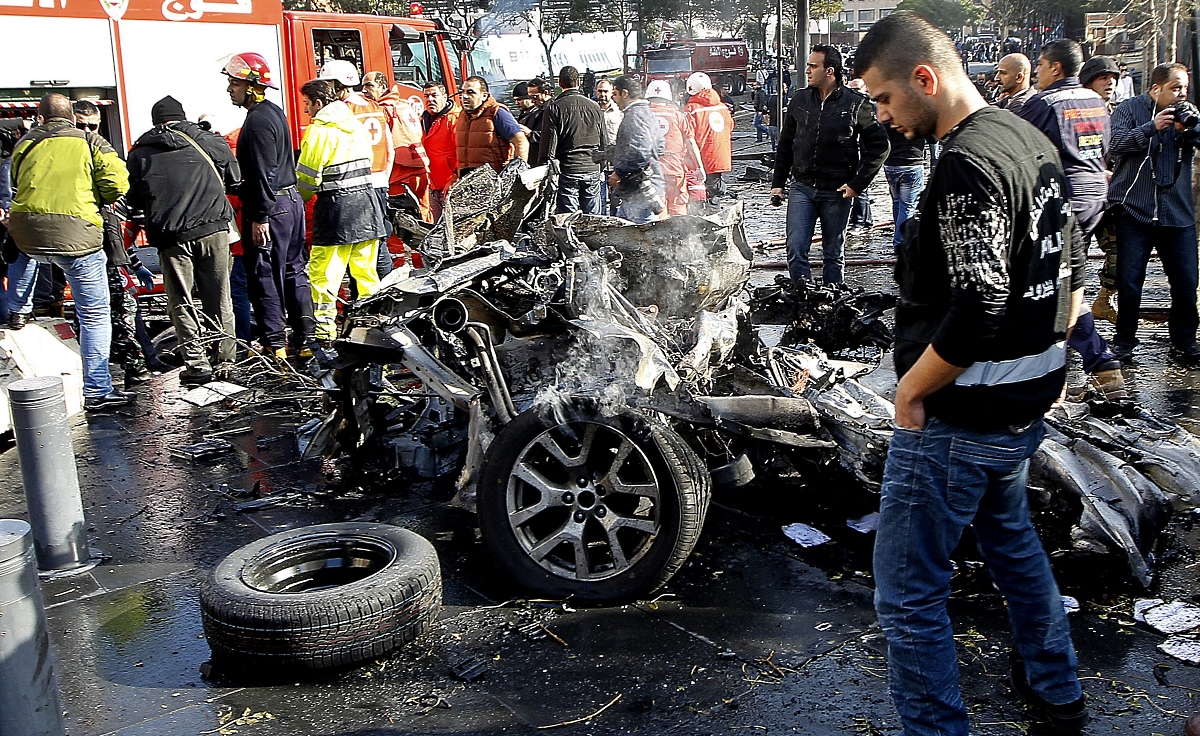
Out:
{"x": 713, "y": 127}
{"x": 681, "y": 156}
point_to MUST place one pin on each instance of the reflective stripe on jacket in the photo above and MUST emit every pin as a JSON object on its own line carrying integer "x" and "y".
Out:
{"x": 61, "y": 176}
{"x": 335, "y": 164}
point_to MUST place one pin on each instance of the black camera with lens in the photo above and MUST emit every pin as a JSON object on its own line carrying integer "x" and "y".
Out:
{"x": 1186, "y": 114}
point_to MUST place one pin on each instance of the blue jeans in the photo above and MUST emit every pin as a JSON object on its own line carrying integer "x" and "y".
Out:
{"x": 937, "y": 481}
{"x": 22, "y": 281}
{"x": 1177, "y": 248}
{"x": 243, "y": 314}
{"x": 760, "y": 128}
{"x": 89, "y": 289}
{"x": 805, "y": 206}
{"x": 860, "y": 211}
{"x": 578, "y": 192}
{"x": 906, "y": 184}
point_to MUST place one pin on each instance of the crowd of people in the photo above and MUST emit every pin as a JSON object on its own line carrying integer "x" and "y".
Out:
{"x": 254, "y": 243}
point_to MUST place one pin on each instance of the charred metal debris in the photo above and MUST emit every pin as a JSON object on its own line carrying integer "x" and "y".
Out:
{"x": 586, "y": 381}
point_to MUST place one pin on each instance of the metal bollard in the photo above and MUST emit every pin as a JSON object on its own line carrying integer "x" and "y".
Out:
{"x": 39, "y": 413}
{"x": 29, "y": 701}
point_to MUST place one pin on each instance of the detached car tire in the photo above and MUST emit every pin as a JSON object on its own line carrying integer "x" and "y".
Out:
{"x": 599, "y": 508}
{"x": 324, "y": 596}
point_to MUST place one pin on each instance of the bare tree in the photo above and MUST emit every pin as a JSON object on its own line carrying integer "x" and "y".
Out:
{"x": 550, "y": 20}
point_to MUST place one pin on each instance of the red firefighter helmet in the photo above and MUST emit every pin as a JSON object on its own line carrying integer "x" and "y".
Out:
{"x": 250, "y": 67}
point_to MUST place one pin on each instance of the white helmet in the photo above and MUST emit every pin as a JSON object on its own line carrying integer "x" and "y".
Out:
{"x": 660, "y": 89}
{"x": 698, "y": 81}
{"x": 341, "y": 71}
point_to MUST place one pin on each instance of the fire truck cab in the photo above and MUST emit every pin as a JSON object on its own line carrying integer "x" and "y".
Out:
{"x": 724, "y": 60}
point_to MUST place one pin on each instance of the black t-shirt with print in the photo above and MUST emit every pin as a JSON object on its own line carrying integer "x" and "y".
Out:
{"x": 985, "y": 272}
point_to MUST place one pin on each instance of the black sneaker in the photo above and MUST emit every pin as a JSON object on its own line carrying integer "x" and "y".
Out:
{"x": 111, "y": 400}
{"x": 1123, "y": 354}
{"x": 134, "y": 376}
{"x": 193, "y": 377}
{"x": 1069, "y": 717}
{"x": 1187, "y": 355}
{"x": 17, "y": 321}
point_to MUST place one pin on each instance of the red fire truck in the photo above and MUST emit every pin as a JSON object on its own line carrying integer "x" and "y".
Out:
{"x": 126, "y": 54}
{"x": 725, "y": 60}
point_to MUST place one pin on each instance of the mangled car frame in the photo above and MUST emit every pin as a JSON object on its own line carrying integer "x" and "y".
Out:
{"x": 586, "y": 381}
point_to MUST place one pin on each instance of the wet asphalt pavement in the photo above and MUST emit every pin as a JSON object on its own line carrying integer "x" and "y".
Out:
{"x": 754, "y": 635}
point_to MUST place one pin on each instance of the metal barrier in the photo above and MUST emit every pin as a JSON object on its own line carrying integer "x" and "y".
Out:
{"x": 29, "y": 701}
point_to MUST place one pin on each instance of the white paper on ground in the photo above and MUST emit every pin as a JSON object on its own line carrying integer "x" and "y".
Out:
{"x": 805, "y": 536}
{"x": 868, "y": 523}
{"x": 1186, "y": 648}
{"x": 1140, "y": 606}
{"x": 1175, "y": 617}
{"x": 211, "y": 393}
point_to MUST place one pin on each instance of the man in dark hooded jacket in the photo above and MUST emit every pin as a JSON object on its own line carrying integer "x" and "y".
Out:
{"x": 178, "y": 175}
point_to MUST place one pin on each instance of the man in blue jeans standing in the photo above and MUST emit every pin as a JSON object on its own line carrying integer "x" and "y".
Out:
{"x": 832, "y": 146}
{"x": 1150, "y": 199}
{"x": 980, "y": 352}
{"x": 63, "y": 176}
{"x": 904, "y": 170}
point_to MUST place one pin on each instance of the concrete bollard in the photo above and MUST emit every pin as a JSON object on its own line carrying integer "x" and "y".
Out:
{"x": 29, "y": 701}
{"x": 39, "y": 413}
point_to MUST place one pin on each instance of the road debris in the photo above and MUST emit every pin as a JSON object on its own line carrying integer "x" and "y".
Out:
{"x": 585, "y": 719}
{"x": 805, "y": 535}
{"x": 203, "y": 450}
{"x": 1186, "y": 648}
{"x": 468, "y": 668}
{"x": 866, "y": 524}
{"x": 212, "y": 393}
{"x": 1175, "y": 617}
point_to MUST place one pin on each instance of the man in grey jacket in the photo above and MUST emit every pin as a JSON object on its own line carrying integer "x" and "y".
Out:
{"x": 637, "y": 182}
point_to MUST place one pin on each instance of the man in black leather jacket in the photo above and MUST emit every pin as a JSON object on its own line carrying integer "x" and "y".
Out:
{"x": 832, "y": 146}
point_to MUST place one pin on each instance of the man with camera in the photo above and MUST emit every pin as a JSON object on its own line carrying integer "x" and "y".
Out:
{"x": 1154, "y": 137}
{"x": 1076, "y": 121}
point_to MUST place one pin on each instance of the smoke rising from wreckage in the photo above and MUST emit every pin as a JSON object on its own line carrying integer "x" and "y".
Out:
{"x": 586, "y": 380}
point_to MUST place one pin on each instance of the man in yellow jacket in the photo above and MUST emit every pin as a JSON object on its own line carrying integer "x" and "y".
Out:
{"x": 61, "y": 177}
{"x": 335, "y": 165}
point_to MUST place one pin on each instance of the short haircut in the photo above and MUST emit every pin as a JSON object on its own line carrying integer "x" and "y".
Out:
{"x": 54, "y": 105}
{"x": 568, "y": 77}
{"x": 629, "y": 85}
{"x": 1066, "y": 52}
{"x": 478, "y": 79}
{"x": 434, "y": 85}
{"x": 375, "y": 78}
{"x": 833, "y": 58}
{"x": 1160, "y": 75}
{"x": 539, "y": 84}
{"x": 319, "y": 90}
{"x": 895, "y": 45}
{"x": 604, "y": 80}
{"x": 1019, "y": 61}
{"x": 85, "y": 107}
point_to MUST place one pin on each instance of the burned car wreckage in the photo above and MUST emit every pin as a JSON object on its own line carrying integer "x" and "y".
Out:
{"x": 587, "y": 381}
